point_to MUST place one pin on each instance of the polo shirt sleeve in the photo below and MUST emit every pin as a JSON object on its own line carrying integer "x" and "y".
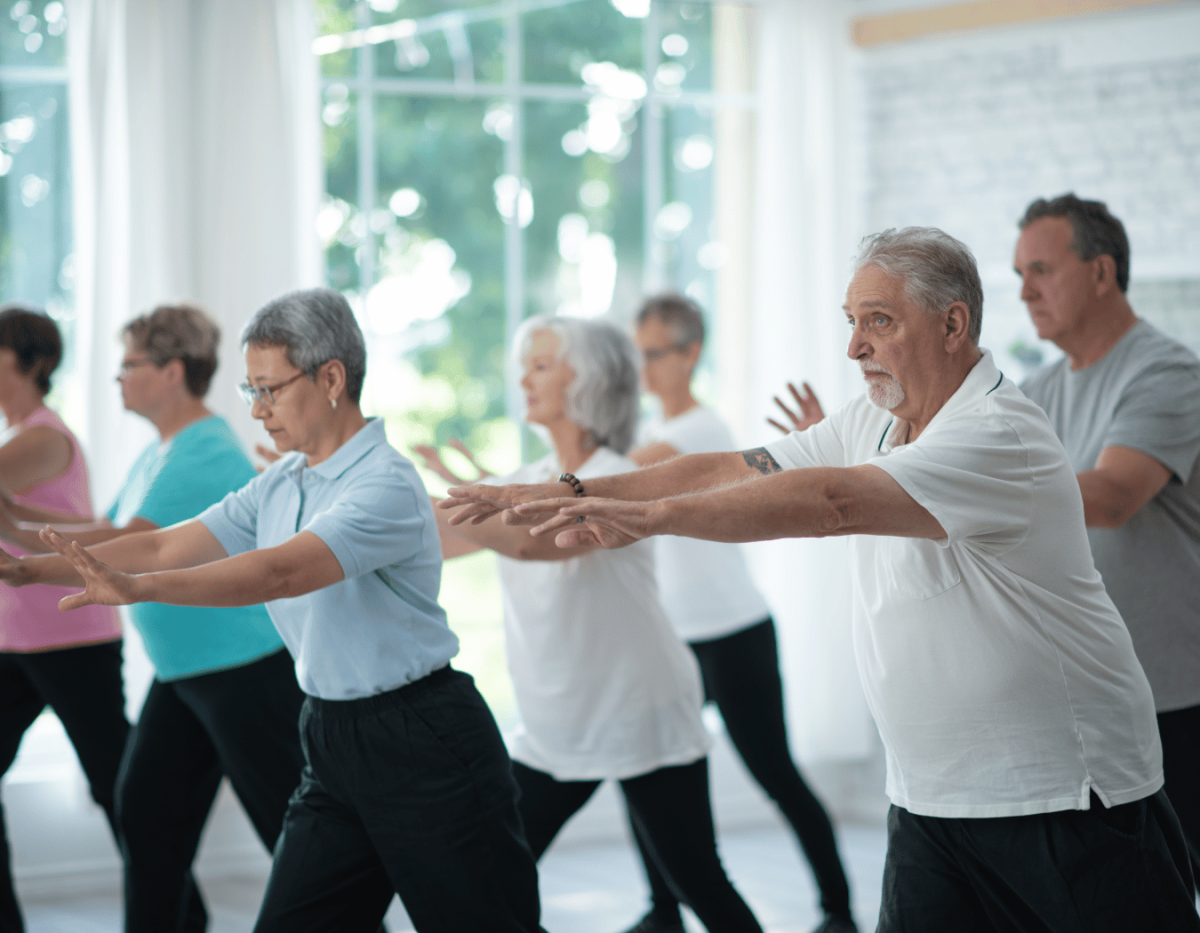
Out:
{"x": 972, "y": 475}
{"x": 1158, "y": 416}
{"x": 234, "y": 520}
{"x": 375, "y": 522}
{"x": 818, "y": 446}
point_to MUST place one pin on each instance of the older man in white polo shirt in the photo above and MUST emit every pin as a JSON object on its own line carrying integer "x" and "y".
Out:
{"x": 1024, "y": 764}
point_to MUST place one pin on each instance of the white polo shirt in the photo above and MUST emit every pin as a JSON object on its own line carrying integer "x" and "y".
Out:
{"x": 604, "y": 686}
{"x": 706, "y": 586}
{"x": 1001, "y": 676}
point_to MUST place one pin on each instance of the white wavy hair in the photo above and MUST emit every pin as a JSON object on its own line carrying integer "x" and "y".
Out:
{"x": 603, "y": 396}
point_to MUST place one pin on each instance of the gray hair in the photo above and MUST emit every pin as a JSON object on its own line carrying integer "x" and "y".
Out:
{"x": 1094, "y": 230}
{"x": 678, "y": 312}
{"x": 937, "y": 270}
{"x": 603, "y": 397}
{"x": 313, "y": 326}
{"x": 181, "y": 332}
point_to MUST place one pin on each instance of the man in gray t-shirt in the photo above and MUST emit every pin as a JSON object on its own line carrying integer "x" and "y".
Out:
{"x": 1125, "y": 402}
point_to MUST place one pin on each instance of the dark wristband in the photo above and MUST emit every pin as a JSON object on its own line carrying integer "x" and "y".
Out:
{"x": 575, "y": 483}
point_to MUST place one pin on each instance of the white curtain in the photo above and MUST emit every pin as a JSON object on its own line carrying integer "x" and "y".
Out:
{"x": 804, "y": 236}
{"x": 197, "y": 176}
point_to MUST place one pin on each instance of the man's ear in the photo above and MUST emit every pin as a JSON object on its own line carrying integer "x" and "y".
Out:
{"x": 957, "y": 323}
{"x": 1104, "y": 274}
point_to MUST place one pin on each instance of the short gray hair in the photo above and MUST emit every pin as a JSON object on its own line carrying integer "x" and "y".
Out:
{"x": 677, "y": 312}
{"x": 937, "y": 270}
{"x": 313, "y": 326}
{"x": 181, "y": 332}
{"x": 603, "y": 397}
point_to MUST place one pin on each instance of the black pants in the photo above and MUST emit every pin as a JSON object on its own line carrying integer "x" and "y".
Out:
{"x": 239, "y": 722}
{"x": 409, "y": 791}
{"x": 1118, "y": 870}
{"x": 670, "y": 808}
{"x": 741, "y": 675}
{"x": 83, "y": 686}
{"x": 1180, "y": 732}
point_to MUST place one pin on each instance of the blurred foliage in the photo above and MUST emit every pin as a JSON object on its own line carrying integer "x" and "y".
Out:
{"x": 36, "y": 231}
{"x": 425, "y": 264}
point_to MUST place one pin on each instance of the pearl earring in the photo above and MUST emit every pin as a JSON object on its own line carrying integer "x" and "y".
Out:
{"x": 333, "y": 404}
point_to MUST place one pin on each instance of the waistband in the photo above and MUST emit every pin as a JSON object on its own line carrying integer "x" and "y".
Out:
{"x": 389, "y": 699}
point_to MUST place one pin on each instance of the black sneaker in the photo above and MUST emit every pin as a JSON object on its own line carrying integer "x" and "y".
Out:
{"x": 654, "y": 924}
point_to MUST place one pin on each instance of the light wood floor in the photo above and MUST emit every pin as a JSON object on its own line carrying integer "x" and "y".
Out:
{"x": 595, "y": 888}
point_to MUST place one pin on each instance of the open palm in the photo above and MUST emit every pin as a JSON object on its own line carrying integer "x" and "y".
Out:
{"x": 103, "y": 585}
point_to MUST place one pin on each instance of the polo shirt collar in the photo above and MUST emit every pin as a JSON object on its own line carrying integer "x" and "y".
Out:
{"x": 983, "y": 379}
{"x": 366, "y": 439}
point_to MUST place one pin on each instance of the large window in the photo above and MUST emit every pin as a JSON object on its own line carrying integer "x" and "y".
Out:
{"x": 35, "y": 179}
{"x": 488, "y": 162}
{"x": 35, "y": 248}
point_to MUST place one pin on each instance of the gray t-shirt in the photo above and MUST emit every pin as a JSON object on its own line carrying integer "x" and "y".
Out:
{"x": 1144, "y": 394}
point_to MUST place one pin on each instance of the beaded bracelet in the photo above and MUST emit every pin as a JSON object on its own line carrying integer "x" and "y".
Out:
{"x": 575, "y": 483}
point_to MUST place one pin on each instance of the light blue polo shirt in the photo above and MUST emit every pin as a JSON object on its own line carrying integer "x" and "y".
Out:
{"x": 381, "y": 627}
{"x": 172, "y": 482}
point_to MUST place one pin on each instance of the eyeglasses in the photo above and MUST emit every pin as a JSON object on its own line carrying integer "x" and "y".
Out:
{"x": 127, "y": 366}
{"x": 651, "y": 356}
{"x": 264, "y": 394}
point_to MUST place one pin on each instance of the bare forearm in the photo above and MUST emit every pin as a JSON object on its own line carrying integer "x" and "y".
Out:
{"x": 511, "y": 541}
{"x": 28, "y": 536}
{"x": 682, "y": 475}
{"x": 789, "y": 505}
{"x": 810, "y": 503}
{"x": 245, "y": 580}
{"x": 23, "y": 512}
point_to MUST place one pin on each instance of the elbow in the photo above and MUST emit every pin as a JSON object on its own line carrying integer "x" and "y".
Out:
{"x": 832, "y": 514}
{"x": 1109, "y": 518}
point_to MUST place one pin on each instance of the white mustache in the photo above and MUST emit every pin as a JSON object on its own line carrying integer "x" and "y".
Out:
{"x": 874, "y": 369}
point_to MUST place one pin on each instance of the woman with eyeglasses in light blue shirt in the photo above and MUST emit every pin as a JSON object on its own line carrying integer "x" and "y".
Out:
{"x": 407, "y": 786}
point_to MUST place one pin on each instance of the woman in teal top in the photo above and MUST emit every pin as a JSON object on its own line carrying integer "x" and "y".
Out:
{"x": 224, "y": 700}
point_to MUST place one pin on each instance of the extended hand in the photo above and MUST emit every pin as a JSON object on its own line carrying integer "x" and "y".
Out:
{"x": 104, "y": 586}
{"x": 480, "y": 502}
{"x": 809, "y": 410}
{"x": 267, "y": 454}
{"x": 435, "y": 464}
{"x": 607, "y": 523}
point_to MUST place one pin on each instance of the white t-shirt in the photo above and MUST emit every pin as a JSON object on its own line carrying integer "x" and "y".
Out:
{"x": 1001, "y": 676}
{"x": 604, "y": 686}
{"x": 705, "y": 586}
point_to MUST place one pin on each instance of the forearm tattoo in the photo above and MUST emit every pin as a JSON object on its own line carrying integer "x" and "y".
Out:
{"x": 759, "y": 459}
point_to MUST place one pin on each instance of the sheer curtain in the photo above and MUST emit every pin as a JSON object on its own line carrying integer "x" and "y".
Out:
{"x": 804, "y": 232}
{"x": 197, "y": 176}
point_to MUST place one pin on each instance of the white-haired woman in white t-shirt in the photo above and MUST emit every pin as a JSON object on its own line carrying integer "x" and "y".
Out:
{"x": 604, "y": 686}
{"x": 715, "y": 607}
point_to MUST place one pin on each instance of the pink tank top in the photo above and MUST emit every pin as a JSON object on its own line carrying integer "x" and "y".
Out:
{"x": 29, "y": 616}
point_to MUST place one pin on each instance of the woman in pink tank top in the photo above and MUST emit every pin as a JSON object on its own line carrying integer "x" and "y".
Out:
{"x": 68, "y": 661}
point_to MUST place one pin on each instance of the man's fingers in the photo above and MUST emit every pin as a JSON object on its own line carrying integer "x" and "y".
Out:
{"x": 557, "y": 523}
{"x": 471, "y": 511}
{"x": 775, "y": 424}
{"x": 577, "y": 536}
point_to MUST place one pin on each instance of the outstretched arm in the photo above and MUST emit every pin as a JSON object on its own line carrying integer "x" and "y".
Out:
{"x": 671, "y": 478}
{"x": 300, "y": 565}
{"x": 187, "y": 544}
{"x": 809, "y": 503}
